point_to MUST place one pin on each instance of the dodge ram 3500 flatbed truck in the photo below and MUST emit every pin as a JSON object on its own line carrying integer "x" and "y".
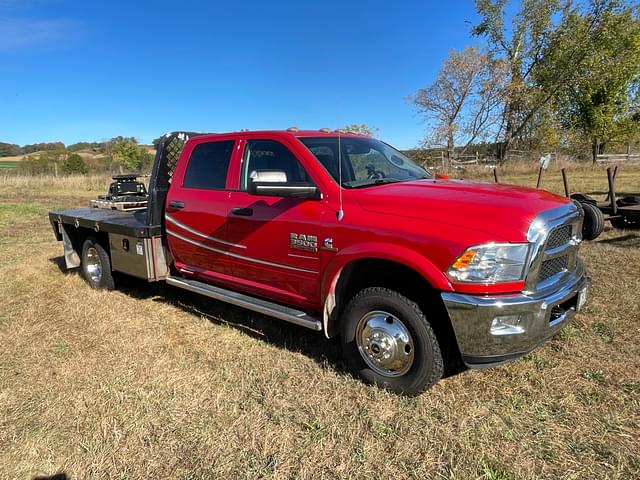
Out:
{"x": 341, "y": 233}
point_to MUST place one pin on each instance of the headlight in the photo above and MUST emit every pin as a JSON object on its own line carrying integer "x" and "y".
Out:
{"x": 491, "y": 263}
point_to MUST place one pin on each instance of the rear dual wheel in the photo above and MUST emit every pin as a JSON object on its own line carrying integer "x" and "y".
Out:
{"x": 96, "y": 265}
{"x": 388, "y": 341}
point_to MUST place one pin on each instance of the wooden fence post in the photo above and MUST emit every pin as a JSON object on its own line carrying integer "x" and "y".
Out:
{"x": 539, "y": 176}
{"x": 565, "y": 182}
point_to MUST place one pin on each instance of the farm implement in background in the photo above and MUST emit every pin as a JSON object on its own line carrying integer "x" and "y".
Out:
{"x": 621, "y": 212}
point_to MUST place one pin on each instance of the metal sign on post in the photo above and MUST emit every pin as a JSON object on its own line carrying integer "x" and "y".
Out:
{"x": 545, "y": 161}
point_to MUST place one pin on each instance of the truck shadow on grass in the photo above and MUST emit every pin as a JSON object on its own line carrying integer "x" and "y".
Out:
{"x": 56, "y": 476}
{"x": 279, "y": 333}
{"x": 326, "y": 352}
{"x": 624, "y": 241}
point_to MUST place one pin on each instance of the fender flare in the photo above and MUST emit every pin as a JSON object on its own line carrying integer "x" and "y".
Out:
{"x": 374, "y": 250}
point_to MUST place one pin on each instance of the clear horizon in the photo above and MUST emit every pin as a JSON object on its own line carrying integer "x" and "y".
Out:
{"x": 88, "y": 72}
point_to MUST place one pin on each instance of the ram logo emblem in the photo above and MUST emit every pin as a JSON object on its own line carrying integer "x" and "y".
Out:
{"x": 300, "y": 241}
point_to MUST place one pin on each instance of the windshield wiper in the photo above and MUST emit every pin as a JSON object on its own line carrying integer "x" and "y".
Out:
{"x": 377, "y": 181}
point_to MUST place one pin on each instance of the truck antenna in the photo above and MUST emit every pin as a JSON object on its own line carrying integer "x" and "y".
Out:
{"x": 340, "y": 213}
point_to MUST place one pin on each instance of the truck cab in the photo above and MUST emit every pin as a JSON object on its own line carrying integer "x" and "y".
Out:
{"x": 343, "y": 233}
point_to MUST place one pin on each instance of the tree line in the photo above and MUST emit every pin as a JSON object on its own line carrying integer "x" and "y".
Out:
{"x": 11, "y": 149}
{"x": 118, "y": 154}
{"x": 555, "y": 74}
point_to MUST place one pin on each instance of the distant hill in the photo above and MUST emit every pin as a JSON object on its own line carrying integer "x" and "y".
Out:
{"x": 13, "y": 152}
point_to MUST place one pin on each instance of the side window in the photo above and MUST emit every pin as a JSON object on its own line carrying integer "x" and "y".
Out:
{"x": 271, "y": 155}
{"x": 208, "y": 165}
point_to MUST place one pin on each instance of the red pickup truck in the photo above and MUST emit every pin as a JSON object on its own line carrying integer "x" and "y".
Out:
{"x": 342, "y": 233}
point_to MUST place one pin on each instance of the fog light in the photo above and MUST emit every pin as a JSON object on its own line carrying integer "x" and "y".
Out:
{"x": 507, "y": 325}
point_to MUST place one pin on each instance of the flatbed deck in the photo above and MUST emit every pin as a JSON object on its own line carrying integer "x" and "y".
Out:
{"x": 132, "y": 224}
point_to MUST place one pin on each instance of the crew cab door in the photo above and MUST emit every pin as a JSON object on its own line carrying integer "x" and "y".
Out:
{"x": 197, "y": 206}
{"x": 280, "y": 235}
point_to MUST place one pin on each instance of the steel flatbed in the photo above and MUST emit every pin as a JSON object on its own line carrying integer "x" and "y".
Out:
{"x": 132, "y": 224}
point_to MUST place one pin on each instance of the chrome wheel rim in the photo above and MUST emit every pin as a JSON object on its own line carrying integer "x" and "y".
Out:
{"x": 93, "y": 265}
{"x": 385, "y": 343}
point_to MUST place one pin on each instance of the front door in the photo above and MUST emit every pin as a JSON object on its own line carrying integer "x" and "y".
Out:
{"x": 280, "y": 235}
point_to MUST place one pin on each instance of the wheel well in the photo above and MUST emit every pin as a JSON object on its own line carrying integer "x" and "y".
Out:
{"x": 79, "y": 235}
{"x": 373, "y": 272}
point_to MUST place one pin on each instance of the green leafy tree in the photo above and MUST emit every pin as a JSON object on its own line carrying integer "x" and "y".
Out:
{"x": 126, "y": 153}
{"x": 522, "y": 42}
{"x": 44, "y": 163}
{"x": 74, "y": 164}
{"x": 600, "y": 99}
{"x": 145, "y": 161}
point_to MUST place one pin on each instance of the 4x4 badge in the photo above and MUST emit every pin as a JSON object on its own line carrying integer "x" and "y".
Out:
{"x": 327, "y": 244}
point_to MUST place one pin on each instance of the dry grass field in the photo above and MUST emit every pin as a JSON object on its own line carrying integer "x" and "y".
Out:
{"x": 151, "y": 382}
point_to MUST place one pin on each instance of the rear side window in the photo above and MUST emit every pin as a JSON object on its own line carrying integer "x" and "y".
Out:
{"x": 208, "y": 165}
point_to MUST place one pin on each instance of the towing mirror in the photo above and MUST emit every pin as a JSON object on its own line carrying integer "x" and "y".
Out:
{"x": 274, "y": 183}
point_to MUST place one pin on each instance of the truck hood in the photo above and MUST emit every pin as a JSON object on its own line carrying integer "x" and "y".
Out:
{"x": 504, "y": 211}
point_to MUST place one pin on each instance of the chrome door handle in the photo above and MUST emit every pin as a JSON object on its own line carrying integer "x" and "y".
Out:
{"x": 244, "y": 212}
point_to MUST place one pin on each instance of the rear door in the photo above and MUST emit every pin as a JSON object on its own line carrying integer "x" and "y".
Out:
{"x": 196, "y": 209}
{"x": 281, "y": 258}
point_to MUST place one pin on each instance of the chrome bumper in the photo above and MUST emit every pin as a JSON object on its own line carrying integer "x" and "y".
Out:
{"x": 537, "y": 318}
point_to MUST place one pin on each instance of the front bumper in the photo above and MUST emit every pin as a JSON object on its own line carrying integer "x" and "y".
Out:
{"x": 538, "y": 318}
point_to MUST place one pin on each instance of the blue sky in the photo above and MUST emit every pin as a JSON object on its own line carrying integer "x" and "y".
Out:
{"x": 94, "y": 69}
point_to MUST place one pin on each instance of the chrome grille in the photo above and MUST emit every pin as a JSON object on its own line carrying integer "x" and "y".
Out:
{"x": 555, "y": 236}
{"x": 551, "y": 267}
{"x": 559, "y": 237}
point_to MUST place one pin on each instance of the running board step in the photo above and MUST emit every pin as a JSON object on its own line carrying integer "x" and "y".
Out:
{"x": 245, "y": 301}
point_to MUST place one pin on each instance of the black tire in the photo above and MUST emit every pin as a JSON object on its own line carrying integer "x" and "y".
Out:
{"x": 625, "y": 222}
{"x": 582, "y": 198}
{"x": 593, "y": 221}
{"x": 94, "y": 254}
{"x": 426, "y": 367}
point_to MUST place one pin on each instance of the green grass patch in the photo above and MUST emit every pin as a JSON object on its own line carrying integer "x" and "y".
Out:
{"x": 8, "y": 164}
{"x": 12, "y": 213}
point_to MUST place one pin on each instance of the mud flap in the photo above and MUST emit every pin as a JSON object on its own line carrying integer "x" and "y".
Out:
{"x": 71, "y": 257}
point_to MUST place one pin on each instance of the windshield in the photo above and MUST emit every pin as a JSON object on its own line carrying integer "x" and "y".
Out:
{"x": 365, "y": 161}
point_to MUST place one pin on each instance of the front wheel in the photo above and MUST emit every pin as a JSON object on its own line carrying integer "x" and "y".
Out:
{"x": 388, "y": 341}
